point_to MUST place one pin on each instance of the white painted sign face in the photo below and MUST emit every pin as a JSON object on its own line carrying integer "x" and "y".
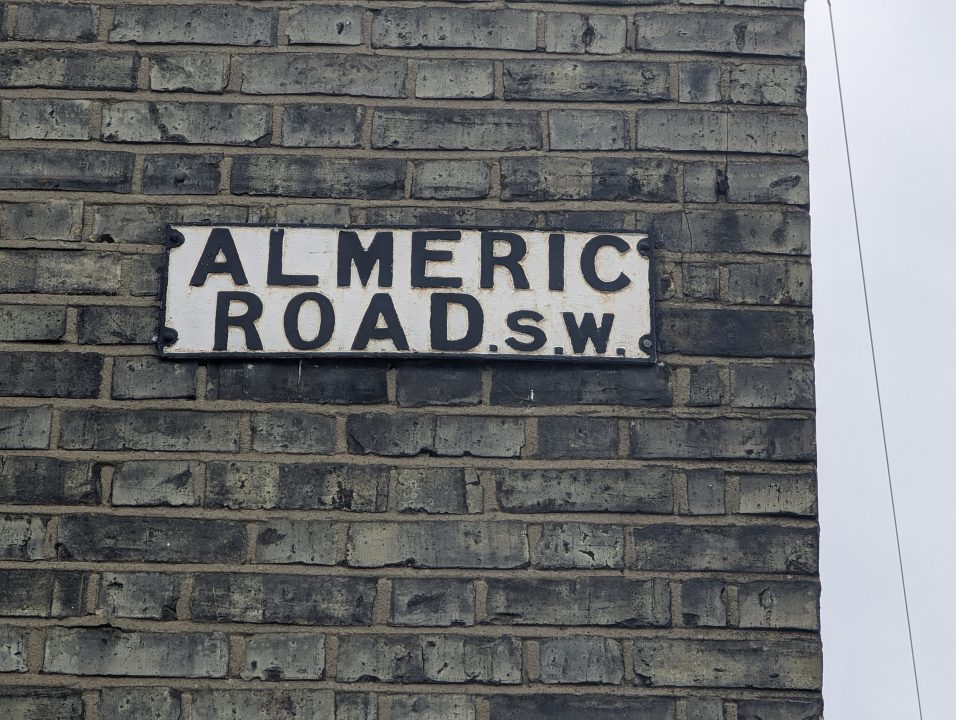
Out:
{"x": 355, "y": 291}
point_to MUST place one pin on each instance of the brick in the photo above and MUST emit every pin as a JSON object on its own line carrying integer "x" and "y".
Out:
{"x": 298, "y": 176}
{"x": 703, "y": 182}
{"x": 53, "y": 220}
{"x": 545, "y": 178}
{"x": 706, "y": 386}
{"x": 736, "y": 333}
{"x": 721, "y": 32}
{"x": 202, "y": 24}
{"x": 759, "y": 231}
{"x": 116, "y": 325}
{"x": 432, "y": 602}
{"x": 313, "y": 214}
{"x": 13, "y": 650}
{"x": 148, "y": 596}
{"x": 634, "y": 179}
{"x": 638, "y": 386}
{"x": 453, "y": 28}
{"x": 701, "y": 708}
{"x": 701, "y": 282}
{"x": 779, "y": 181}
{"x": 47, "y": 481}
{"x": 779, "y": 605}
{"x": 453, "y": 78}
{"x": 308, "y": 542}
{"x": 42, "y": 593}
{"x": 780, "y": 710}
{"x": 581, "y": 661}
{"x": 325, "y": 74}
{"x": 145, "y": 702}
{"x": 155, "y": 482}
{"x": 699, "y": 82}
{"x": 444, "y": 129}
{"x": 704, "y": 602}
{"x": 581, "y": 545}
{"x": 685, "y": 130}
{"x": 302, "y": 382}
{"x": 777, "y": 282}
{"x": 252, "y": 704}
{"x": 84, "y": 170}
{"x": 454, "y": 491}
{"x": 756, "y": 84}
{"x": 771, "y": 664}
{"x": 25, "y": 428}
{"x": 451, "y": 179}
{"x": 189, "y": 72}
{"x": 579, "y": 33}
{"x": 594, "y": 81}
{"x": 35, "y": 119}
{"x": 284, "y": 656}
{"x": 29, "y": 703}
{"x": 395, "y": 658}
{"x": 587, "y": 130}
{"x": 451, "y": 217}
{"x": 69, "y": 375}
{"x": 444, "y": 436}
{"x": 283, "y": 599}
{"x": 173, "y": 122}
{"x": 778, "y": 495}
{"x": 145, "y": 275}
{"x": 112, "y": 652}
{"x": 22, "y": 537}
{"x": 356, "y": 706}
{"x": 767, "y": 133}
{"x": 55, "y": 22}
{"x": 433, "y": 707}
{"x": 142, "y": 223}
{"x": 573, "y": 707}
{"x": 705, "y": 492}
{"x": 323, "y": 126}
{"x": 181, "y": 174}
{"x": 168, "y": 430}
{"x": 436, "y": 384}
{"x": 150, "y": 539}
{"x": 293, "y": 432}
{"x": 774, "y": 386}
{"x": 647, "y": 490}
{"x": 723, "y": 438}
{"x": 577, "y": 437}
{"x": 587, "y": 220}
{"x": 141, "y": 378}
{"x": 298, "y": 486}
{"x": 73, "y": 69}
{"x": 750, "y": 548}
{"x": 600, "y": 601}
{"x": 324, "y": 25}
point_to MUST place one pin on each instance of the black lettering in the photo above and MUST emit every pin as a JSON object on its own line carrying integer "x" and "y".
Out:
{"x": 422, "y": 255}
{"x": 589, "y": 255}
{"x": 439, "y": 322}
{"x": 537, "y": 335}
{"x": 380, "y": 306}
{"x": 587, "y": 330}
{"x": 245, "y": 322}
{"x": 220, "y": 242}
{"x": 556, "y": 262}
{"x": 290, "y": 321}
{"x": 351, "y": 251}
{"x": 274, "y": 274}
{"x": 518, "y": 248}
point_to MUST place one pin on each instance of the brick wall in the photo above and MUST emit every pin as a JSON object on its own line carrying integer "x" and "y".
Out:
{"x": 359, "y": 540}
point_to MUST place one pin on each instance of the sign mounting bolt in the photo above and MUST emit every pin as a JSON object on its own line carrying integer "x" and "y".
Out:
{"x": 168, "y": 336}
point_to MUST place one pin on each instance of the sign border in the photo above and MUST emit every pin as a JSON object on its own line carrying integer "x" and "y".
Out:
{"x": 167, "y": 336}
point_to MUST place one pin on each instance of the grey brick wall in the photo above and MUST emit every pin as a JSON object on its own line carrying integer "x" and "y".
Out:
{"x": 375, "y": 541}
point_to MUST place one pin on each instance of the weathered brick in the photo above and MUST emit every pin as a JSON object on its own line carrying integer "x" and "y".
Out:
{"x": 721, "y": 32}
{"x": 155, "y": 482}
{"x": 602, "y": 601}
{"x": 447, "y": 436}
{"x": 293, "y": 432}
{"x": 149, "y": 596}
{"x": 581, "y": 545}
{"x": 634, "y": 179}
{"x": 699, "y": 82}
{"x": 453, "y": 491}
{"x": 711, "y": 131}
{"x": 283, "y": 599}
{"x": 203, "y": 123}
{"x": 299, "y": 486}
{"x": 577, "y": 437}
{"x": 778, "y": 282}
{"x": 755, "y": 84}
{"x": 579, "y": 33}
{"x": 780, "y": 710}
{"x": 70, "y": 375}
{"x": 252, "y": 704}
{"x": 73, "y": 69}
{"x": 444, "y": 129}
{"x": 22, "y": 537}
{"x": 587, "y": 220}
{"x": 433, "y": 707}
{"x": 150, "y": 539}
{"x": 706, "y": 492}
{"x": 723, "y": 438}
{"x": 42, "y": 593}
{"x": 432, "y": 602}
{"x": 325, "y": 74}
{"x": 451, "y": 179}
{"x": 703, "y": 182}
{"x": 143, "y": 702}
{"x": 545, "y": 178}
{"x": 189, "y": 72}
{"x": 145, "y": 274}
{"x": 779, "y": 181}
{"x": 168, "y": 430}
{"x": 141, "y": 223}
{"x": 720, "y": 231}
{"x": 356, "y": 706}
{"x": 30, "y": 703}
{"x": 736, "y": 333}
{"x": 115, "y": 325}
{"x": 704, "y": 602}
{"x": 55, "y": 22}
{"x": 302, "y": 382}
{"x": 313, "y": 214}
{"x": 181, "y": 174}
{"x": 309, "y": 542}
{"x": 778, "y": 495}
{"x": 750, "y": 548}
{"x": 767, "y": 133}
{"x": 578, "y": 80}
{"x": 112, "y": 652}
{"x": 324, "y": 25}
{"x": 648, "y": 490}
{"x": 284, "y": 656}
{"x": 783, "y": 664}
{"x": 453, "y": 78}
{"x": 13, "y": 650}
{"x": 464, "y": 544}
{"x": 581, "y": 661}
{"x": 706, "y": 386}
{"x": 204, "y": 24}
{"x": 86, "y": 170}
{"x": 436, "y": 384}
{"x": 140, "y": 378}
{"x": 701, "y": 282}
{"x": 587, "y": 130}
{"x": 322, "y": 125}
{"x": 573, "y": 707}
{"x": 451, "y": 217}
{"x": 453, "y": 28}
{"x": 25, "y": 428}
{"x": 42, "y": 119}
{"x": 522, "y": 385}
{"x": 53, "y": 220}
{"x": 39, "y": 481}
{"x": 298, "y": 176}
{"x": 779, "y": 605}
{"x": 703, "y": 708}
{"x": 784, "y": 385}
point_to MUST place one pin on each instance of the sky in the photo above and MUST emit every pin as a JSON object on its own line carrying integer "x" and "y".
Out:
{"x": 897, "y": 61}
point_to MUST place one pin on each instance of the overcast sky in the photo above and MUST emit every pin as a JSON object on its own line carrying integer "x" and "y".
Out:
{"x": 897, "y": 62}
